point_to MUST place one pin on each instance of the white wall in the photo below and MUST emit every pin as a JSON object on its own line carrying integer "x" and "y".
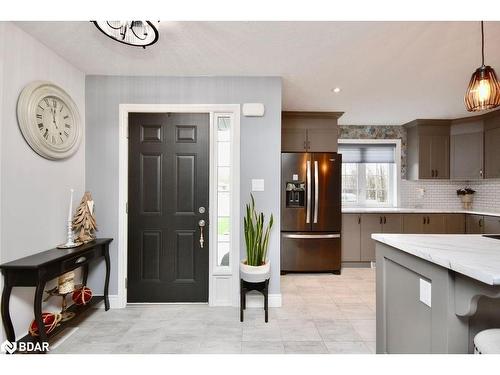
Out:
{"x": 34, "y": 192}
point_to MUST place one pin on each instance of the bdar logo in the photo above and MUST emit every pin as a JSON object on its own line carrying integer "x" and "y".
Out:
{"x": 8, "y": 347}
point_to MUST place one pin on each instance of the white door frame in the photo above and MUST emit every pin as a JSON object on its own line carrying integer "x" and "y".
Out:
{"x": 223, "y": 285}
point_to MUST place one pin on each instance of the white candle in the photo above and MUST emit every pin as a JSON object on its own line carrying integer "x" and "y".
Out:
{"x": 70, "y": 214}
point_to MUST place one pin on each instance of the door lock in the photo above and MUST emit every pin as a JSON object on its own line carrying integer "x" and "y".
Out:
{"x": 201, "y": 210}
{"x": 201, "y": 224}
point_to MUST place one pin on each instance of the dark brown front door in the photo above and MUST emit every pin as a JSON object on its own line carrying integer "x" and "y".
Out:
{"x": 168, "y": 194}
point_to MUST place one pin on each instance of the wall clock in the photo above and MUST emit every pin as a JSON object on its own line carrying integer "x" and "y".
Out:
{"x": 49, "y": 120}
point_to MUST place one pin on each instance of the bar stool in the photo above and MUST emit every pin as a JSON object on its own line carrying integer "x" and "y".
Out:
{"x": 487, "y": 342}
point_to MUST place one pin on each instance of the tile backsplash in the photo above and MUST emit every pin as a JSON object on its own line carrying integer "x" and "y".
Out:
{"x": 442, "y": 194}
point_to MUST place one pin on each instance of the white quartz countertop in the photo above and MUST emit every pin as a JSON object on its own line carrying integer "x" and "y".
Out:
{"x": 402, "y": 210}
{"x": 471, "y": 255}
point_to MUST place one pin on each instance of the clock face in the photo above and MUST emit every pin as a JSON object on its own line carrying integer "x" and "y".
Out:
{"x": 54, "y": 121}
{"x": 49, "y": 120}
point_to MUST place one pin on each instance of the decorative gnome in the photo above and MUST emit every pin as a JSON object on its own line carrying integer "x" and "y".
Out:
{"x": 84, "y": 220}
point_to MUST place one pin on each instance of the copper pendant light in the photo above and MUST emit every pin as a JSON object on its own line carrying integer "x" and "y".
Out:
{"x": 484, "y": 90}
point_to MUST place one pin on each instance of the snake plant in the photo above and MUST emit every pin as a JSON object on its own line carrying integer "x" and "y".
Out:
{"x": 256, "y": 235}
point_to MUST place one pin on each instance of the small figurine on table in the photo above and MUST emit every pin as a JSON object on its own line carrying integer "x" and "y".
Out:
{"x": 84, "y": 221}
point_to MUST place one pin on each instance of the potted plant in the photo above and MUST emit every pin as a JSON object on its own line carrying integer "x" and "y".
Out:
{"x": 256, "y": 267}
{"x": 466, "y": 195}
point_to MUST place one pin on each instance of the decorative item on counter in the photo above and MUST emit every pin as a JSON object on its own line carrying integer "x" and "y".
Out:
{"x": 50, "y": 321}
{"x": 70, "y": 242}
{"x": 84, "y": 221}
{"x": 466, "y": 195}
{"x": 82, "y": 296}
{"x": 256, "y": 268}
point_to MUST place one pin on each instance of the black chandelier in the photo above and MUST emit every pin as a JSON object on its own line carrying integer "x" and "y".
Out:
{"x": 132, "y": 33}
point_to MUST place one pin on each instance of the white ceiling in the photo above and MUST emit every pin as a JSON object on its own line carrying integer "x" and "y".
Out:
{"x": 389, "y": 72}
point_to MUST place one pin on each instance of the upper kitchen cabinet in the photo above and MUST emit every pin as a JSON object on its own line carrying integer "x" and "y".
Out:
{"x": 309, "y": 131}
{"x": 491, "y": 145}
{"x": 428, "y": 149}
{"x": 466, "y": 149}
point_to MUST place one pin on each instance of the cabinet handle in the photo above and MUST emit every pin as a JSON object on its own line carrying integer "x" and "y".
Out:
{"x": 481, "y": 173}
{"x": 428, "y": 220}
{"x": 80, "y": 260}
{"x": 359, "y": 219}
{"x": 385, "y": 220}
{"x": 380, "y": 219}
{"x": 424, "y": 220}
{"x": 305, "y": 145}
{"x": 480, "y": 223}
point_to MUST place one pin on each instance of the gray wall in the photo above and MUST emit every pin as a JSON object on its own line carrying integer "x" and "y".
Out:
{"x": 260, "y": 143}
{"x": 34, "y": 191}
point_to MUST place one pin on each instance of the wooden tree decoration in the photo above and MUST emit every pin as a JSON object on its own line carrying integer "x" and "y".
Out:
{"x": 84, "y": 221}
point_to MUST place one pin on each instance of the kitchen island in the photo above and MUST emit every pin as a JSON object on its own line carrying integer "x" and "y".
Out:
{"x": 435, "y": 292}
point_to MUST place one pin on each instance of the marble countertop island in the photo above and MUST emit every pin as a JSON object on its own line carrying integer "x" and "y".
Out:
{"x": 475, "y": 256}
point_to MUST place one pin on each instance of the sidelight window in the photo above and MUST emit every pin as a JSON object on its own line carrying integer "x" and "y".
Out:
{"x": 224, "y": 194}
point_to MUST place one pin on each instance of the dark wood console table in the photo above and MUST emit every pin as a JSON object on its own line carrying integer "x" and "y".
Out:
{"x": 35, "y": 270}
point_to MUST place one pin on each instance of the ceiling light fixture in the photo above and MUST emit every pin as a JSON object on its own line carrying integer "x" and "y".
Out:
{"x": 484, "y": 90}
{"x": 132, "y": 33}
{"x": 336, "y": 90}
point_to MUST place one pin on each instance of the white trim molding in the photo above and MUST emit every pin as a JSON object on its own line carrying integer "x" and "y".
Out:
{"x": 223, "y": 283}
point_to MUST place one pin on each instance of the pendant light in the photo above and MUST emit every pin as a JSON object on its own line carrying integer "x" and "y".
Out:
{"x": 132, "y": 33}
{"x": 484, "y": 90}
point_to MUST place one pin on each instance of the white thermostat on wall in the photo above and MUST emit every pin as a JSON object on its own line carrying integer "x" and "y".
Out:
{"x": 253, "y": 109}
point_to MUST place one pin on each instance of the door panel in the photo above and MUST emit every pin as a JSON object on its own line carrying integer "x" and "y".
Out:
{"x": 370, "y": 223}
{"x": 327, "y": 216}
{"x": 351, "y": 238}
{"x": 491, "y": 225}
{"x": 322, "y": 140}
{"x": 293, "y": 140}
{"x": 392, "y": 223}
{"x": 466, "y": 164}
{"x": 293, "y": 218}
{"x": 440, "y": 156}
{"x": 413, "y": 223}
{"x": 424, "y": 156}
{"x": 492, "y": 153}
{"x": 168, "y": 181}
{"x": 436, "y": 224}
{"x": 455, "y": 224}
{"x": 474, "y": 224}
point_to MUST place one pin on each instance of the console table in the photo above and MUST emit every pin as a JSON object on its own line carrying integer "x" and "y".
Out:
{"x": 36, "y": 270}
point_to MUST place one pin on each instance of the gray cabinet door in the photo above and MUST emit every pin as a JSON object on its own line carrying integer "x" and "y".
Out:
{"x": 293, "y": 140}
{"x": 455, "y": 223}
{"x": 351, "y": 238}
{"x": 435, "y": 224}
{"x": 466, "y": 156}
{"x": 491, "y": 225}
{"x": 392, "y": 223}
{"x": 370, "y": 223}
{"x": 440, "y": 156}
{"x": 424, "y": 157}
{"x": 413, "y": 223}
{"x": 474, "y": 224}
{"x": 492, "y": 153}
{"x": 322, "y": 140}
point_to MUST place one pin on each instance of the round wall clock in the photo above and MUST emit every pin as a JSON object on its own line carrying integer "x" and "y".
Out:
{"x": 49, "y": 120}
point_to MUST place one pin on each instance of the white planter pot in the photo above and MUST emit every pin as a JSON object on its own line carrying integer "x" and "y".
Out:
{"x": 467, "y": 201}
{"x": 255, "y": 274}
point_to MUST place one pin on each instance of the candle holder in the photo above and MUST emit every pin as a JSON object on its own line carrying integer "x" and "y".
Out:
{"x": 70, "y": 242}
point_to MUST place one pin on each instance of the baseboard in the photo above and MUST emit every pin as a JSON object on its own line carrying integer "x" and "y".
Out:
{"x": 257, "y": 300}
{"x": 114, "y": 302}
{"x": 357, "y": 265}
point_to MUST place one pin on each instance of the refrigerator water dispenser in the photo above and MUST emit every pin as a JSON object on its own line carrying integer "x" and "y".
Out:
{"x": 295, "y": 194}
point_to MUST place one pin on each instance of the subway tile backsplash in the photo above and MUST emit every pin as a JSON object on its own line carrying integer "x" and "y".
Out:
{"x": 442, "y": 194}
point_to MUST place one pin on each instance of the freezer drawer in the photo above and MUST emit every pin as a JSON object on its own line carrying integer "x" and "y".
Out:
{"x": 310, "y": 252}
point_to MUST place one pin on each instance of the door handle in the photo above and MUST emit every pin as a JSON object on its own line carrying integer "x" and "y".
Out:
{"x": 201, "y": 224}
{"x": 308, "y": 177}
{"x": 311, "y": 236}
{"x": 316, "y": 191}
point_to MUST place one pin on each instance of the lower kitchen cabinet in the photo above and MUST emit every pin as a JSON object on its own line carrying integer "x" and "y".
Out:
{"x": 351, "y": 238}
{"x": 370, "y": 223}
{"x": 491, "y": 225}
{"x": 455, "y": 223}
{"x": 426, "y": 223}
{"x": 474, "y": 224}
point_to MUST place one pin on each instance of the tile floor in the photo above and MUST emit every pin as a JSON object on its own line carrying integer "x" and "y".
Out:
{"x": 321, "y": 313}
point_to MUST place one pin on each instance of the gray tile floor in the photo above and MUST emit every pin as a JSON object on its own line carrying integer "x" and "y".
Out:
{"x": 321, "y": 313}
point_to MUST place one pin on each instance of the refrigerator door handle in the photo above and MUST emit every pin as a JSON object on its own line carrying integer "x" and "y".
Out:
{"x": 310, "y": 236}
{"x": 308, "y": 177}
{"x": 316, "y": 191}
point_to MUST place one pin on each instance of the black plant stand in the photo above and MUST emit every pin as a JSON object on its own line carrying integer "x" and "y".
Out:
{"x": 246, "y": 287}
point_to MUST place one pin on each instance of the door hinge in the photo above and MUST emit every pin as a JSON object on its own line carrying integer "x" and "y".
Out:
{"x": 126, "y": 283}
{"x": 126, "y": 207}
{"x": 128, "y": 132}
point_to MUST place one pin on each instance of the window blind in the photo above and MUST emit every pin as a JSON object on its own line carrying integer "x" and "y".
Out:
{"x": 367, "y": 153}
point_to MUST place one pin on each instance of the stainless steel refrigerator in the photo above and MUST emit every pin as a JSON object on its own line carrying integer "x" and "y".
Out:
{"x": 311, "y": 218}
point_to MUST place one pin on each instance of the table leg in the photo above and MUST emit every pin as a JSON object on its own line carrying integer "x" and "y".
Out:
{"x": 42, "y": 335}
{"x": 6, "y": 320}
{"x": 106, "y": 280}
{"x": 266, "y": 299}
{"x": 242, "y": 300}
{"x": 85, "y": 274}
